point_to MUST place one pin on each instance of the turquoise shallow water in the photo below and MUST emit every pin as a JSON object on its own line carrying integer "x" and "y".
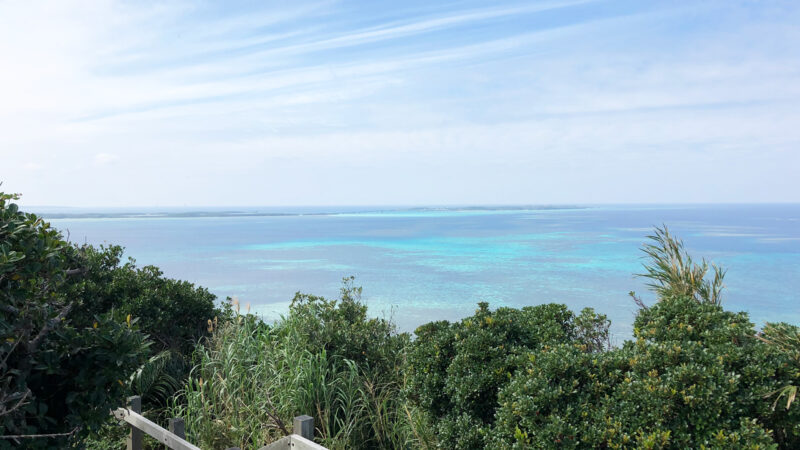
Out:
{"x": 419, "y": 266}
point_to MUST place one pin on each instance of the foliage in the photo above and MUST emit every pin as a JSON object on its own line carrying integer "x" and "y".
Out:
{"x": 673, "y": 272}
{"x": 77, "y": 310}
{"x": 342, "y": 329}
{"x": 456, "y": 370}
{"x": 61, "y": 367}
{"x": 159, "y": 378}
{"x": 785, "y": 338}
{"x": 693, "y": 377}
{"x": 326, "y": 359}
{"x": 172, "y": 312}
{"x": 73, "y": 344}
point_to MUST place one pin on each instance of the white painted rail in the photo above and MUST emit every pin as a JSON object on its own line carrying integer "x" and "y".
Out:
{"x": 293, "y": 442}
{"x": 152, "y": 429}
{"x": 174, "y": 438}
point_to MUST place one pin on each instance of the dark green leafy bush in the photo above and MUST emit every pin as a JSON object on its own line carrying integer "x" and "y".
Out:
{"x": 785, "y": 340}
{"x": 694, "y": 376}
{"x": 342, "y": 329}
{"x": 61, "y": 367}
{"x": 455, "y": 371}
{"x": 72, "y": 331}
{"x": 173, "y": 313}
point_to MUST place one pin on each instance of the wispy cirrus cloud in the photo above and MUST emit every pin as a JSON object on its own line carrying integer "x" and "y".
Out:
{"x": 542, "y": 93}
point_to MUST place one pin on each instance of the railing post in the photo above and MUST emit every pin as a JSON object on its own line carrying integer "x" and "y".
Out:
{"x": 304, "y": 426}
{"x": 136, "y": 435}
{"x": 177, "y": 427}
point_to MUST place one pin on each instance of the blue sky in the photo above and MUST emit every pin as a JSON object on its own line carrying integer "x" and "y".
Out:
{"x": 109, "y": 103}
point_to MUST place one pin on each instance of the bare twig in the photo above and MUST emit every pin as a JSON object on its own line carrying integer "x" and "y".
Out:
{"x": 638, "y": 300}
{"x": 77, "y": 271}
{"x": 36, "y": 436}
{"x": 275, "y": 418}
{"x": 19, "y": 403}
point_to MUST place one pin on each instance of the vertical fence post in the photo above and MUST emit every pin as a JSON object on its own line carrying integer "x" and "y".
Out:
{"x": 136, "y": 435}
{"x": 304, "y": 426}
{"x": 177, "y": 427}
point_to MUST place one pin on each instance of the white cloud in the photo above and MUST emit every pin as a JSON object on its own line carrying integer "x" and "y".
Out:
{"x": 104, "y": 159}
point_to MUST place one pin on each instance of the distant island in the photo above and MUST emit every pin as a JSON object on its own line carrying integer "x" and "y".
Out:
{"x": 99, "y": 214}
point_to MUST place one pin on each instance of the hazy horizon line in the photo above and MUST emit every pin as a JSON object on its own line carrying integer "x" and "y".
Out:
{"x": 418, "y": 205}
{"x": 56, "y": 213}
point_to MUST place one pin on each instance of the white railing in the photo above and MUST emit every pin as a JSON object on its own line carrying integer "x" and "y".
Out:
{"x": 175, "y": 437}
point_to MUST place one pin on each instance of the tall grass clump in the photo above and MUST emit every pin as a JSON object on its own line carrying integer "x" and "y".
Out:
{"x": 672, "y": 271}
{"x": 325, "y": 359}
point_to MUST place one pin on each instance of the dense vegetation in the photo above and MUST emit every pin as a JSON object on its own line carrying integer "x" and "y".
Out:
{"x": 78, "y": 331}
{"x": 457, "y": 370}
{"x": 327, "y": 359}
{"x": 81, "y": 330}
{"x": 694, "y": 376}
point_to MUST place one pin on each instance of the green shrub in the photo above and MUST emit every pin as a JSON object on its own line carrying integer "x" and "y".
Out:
{"x": 555, "y": 400}
{"x": 342, "y": 329}
{"x": 784, "y": 340}
{"x": 456, "y": 370}
{"x": 62, "y": 368}
{"x": 694, "y": 376}
{"x": 326, "y": 359}
{"x": 173, "y": 313}
{"x": 429, "y": 357}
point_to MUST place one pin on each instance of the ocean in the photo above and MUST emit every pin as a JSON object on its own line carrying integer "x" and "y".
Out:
{"x": 418, "y": 265}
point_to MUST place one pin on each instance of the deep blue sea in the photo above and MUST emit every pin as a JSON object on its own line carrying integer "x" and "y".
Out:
{"x": 422, "y": 265}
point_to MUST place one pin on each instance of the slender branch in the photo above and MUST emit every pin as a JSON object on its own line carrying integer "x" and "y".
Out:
{"x": 5, "y": 358}
{"x": 275, "y": 417}
{"x": 49, "y": 326}
{"x": 638, "y": 300}
{"x": 35, "y": 436}
{"x": 19, "y": 403}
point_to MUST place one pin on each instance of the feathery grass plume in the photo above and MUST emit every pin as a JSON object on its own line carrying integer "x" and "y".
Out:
{"x": 786, "y": 339}
{"x": 672, "y": 271}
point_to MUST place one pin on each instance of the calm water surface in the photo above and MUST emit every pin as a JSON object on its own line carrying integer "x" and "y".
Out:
{"x": 419, "y": 266}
